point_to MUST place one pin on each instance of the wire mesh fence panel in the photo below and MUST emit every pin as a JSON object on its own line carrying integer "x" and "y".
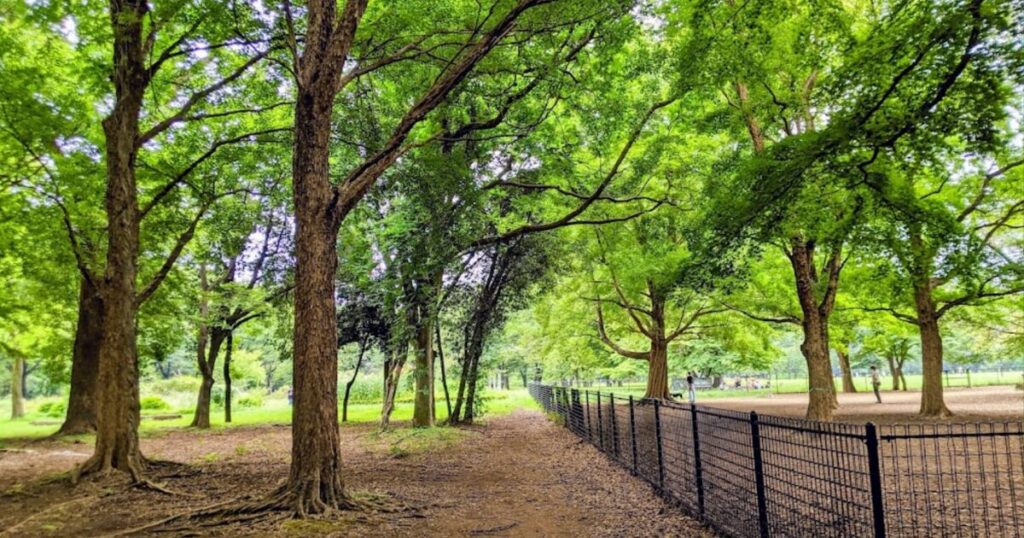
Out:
{"x": 646, "y": 443}
{"x": 679, "y": 457}
{"x": 953, "y": 479}
{"x": 727, "y": 465}
{"x": 750, "y": 475}
{"x": 816, "y": 478}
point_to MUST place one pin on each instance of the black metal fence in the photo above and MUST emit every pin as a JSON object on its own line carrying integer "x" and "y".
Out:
{"x": 750, "y": 475}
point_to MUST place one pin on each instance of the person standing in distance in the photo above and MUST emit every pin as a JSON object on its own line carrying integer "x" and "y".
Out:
{"x": 876, "y": 382}
{"x": 690, "y": 388}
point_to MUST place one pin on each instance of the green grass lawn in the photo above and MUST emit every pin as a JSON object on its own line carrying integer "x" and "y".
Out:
{"x": 272, "y": 412}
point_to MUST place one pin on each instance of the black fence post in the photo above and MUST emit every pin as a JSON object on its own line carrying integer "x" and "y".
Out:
{"x": 657, "y": 432}
{"x": 632, "y": 430}
{"x": 698, "y": 473}
{"x": 762, "y": 502}
{"x": 600, "y": 425}
{"x": 875, "y": 471}
{"x": 615, "y": 428}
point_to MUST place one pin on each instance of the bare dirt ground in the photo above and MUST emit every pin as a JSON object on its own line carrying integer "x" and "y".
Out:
{"x": 981, "y": 404}
{"x": 519, "y": 475}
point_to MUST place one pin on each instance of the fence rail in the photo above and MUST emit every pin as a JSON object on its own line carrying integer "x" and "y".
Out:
{"x": 746, "y": 474}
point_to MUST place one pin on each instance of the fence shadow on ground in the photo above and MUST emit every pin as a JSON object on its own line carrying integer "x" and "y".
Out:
{"x": 749, "y": 475}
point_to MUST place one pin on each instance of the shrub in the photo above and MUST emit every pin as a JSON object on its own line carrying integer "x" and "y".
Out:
{"x": 53, "y": 409}
{"x": 154, "y": 403}
{"x": 250, "y": 400}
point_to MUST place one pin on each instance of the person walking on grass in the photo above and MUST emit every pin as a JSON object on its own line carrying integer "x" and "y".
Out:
{"x": 876, "y": 382}
{"x": 692, "y": 393}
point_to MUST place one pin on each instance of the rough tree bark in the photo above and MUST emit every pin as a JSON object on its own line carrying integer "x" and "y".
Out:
{"x": 844, "y": 365}
{"x": 932, "y": 402}
{"x": 117, "y": 413}
{"x": 814, "y": 322}
{"x": 392, "y": 375}
{"x": 85, "y": 357}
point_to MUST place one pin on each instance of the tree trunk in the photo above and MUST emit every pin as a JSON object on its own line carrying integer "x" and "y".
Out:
{"x": 814, "y": 347}
{"x": 348, "y": 386}
{"x": 932, "y": 402}
{"x": 716, "y": 381}
{"x": 315, "y": 481}
{"x": 85, "y": 357}
{"x": 208, "y": 348}
{"x": 444, "y": 377}
{"x": 17, "y": 396}
{"x": 894, "y": 371}
{"x": 844, "y": 365}
{"x": 227, "y": 376}
{"x": 538, "y": 373}
{"x": 657, "y": 372}
{"x": 392, "y": 376}
{"x": 117, "y": 411}
{"x": 423, "y": 373}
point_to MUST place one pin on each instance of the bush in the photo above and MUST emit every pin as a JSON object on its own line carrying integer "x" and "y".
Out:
{"x": 53, "y": 409}
{"x": 154, "y": 403}
{"x": 250, "y": 400}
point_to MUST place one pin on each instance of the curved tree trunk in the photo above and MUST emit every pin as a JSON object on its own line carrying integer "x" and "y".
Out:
{"x": 348, "y": 386}
{"x": 444, "y": 377}
{"x": 844, "y": 365}
{"x": 85, "y": 358}
{"x": 392, "y": 376}
{"x": 227, "y": 376}
{"x": 932, "y": 402}
{"x": 208, "y": 349}
{"x": 17, "y": 395}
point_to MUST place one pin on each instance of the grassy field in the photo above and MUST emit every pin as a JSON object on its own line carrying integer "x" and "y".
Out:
{"x": 273, "y": 411}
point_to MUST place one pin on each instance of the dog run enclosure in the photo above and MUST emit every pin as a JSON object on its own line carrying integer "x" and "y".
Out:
{"x": 745, "y": 474}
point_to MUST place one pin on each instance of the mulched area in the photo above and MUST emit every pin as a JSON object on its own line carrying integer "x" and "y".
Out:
{"x": 979, "y": 404}
{"x": 518, "y": 475}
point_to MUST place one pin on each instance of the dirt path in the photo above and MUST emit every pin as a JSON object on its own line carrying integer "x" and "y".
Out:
{"x": 520, "y": 475}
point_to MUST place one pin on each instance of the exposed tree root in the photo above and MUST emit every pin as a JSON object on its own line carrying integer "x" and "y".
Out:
{"x": 97, "y": 467}
{"x": 282, "y": 503}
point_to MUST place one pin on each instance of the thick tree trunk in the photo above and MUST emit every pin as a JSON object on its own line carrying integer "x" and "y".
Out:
{"x": 227, "y": 376}
{"x": 348, "y": 386}
{"x": 423, "y": 373}
{"x": 117, "y": 412}
{"x": 821, "y": 388}
{"x": 932, "y": 402}
{"x": 844, "y": 365}
{"x": 85, "y": 358}
{"x": 17, "y": 393}
{"x": 657, "y": 372}
{"x": 315, "y": 481}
